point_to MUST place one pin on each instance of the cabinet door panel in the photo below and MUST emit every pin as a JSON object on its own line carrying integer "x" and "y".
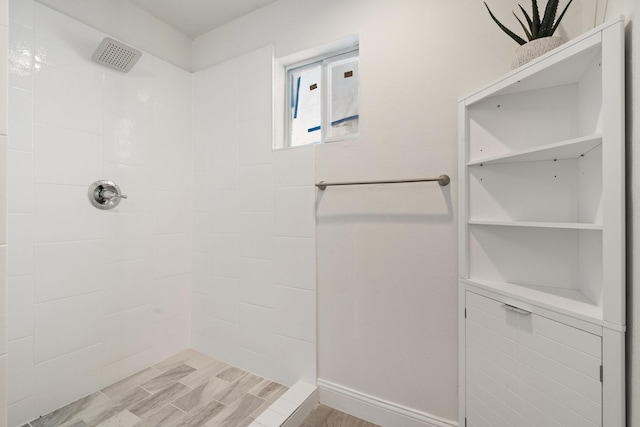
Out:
{"x": 508, "y": 415}
{"x": 553, "y": 408}
{"x": 589, "y": 387}
{"x": 562, "y": 353}
{"x": 529, "y": 370}
{"x": 494, "y": 387}
{"x": 479, "y": 347}
{"x": 507, "y": 326}
{"x": 566, "y": 399}
{"x": 497, "y": 342}
{"x": 474, "y": 414}
{"x": 485, "y": 415}
{"x": 577, "y": 339}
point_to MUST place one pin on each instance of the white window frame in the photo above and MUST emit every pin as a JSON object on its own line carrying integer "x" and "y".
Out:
{"x": 282, "y": 126}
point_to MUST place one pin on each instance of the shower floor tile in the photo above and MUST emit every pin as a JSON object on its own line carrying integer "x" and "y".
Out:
{"x": 188, "y": 389}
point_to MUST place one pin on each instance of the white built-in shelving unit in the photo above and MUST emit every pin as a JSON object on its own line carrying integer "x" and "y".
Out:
{"x": 542, "y": 247}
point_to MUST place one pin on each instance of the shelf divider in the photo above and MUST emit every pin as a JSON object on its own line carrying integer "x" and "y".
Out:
{"x": 569, "y": 149}
{"x": 538, "y": 224}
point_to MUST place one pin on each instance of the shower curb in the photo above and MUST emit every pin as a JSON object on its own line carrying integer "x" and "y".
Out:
{"x": 291, "y": 408}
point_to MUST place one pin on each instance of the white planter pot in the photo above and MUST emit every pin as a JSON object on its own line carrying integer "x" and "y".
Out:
{"x": 533, "y": 49}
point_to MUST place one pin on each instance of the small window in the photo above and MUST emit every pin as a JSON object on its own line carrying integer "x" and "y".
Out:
{"x": 322, "y": 100}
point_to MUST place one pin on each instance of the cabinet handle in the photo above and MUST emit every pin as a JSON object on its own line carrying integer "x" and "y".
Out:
{"x": 516, "y": 309}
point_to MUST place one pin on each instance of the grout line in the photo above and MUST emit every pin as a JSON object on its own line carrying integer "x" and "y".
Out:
{"x": 294, "y": 338}
{"x": 225, "y": 321}
{"x": 126, "y": 357}
{"x": 19, "y": 275}
{"x": 145, "y": 388}
{"x": 56, "y": 184}
{"x": 55, "y": 125}
{"x": 256, "y": 305}
{"x": 172, "y": 404}
{"x": 295, "y": 237}
{"x": 255, "y": 257}
{"x": 294, "y": 287}
{"x": 35, "y": 304}
{"x": 228, "y": 277}
{"x": 112, "y": 313}
{"x": 58, "y": 242}
{"x": 158, "y": 321}
{"x": 179, "y": 233}
{"x": 200, "y": 294}
{"x": 170, "y": 276}
{"x": 19, "y": 401}
{"x": 129, "y": 261}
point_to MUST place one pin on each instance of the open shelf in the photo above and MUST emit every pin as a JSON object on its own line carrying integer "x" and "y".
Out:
{"x": 571, "y": 302}
{"x": 540, "y": 224}
{"x": 541, "y": 228}
{"x": 570, "y": 149}
{"x": 540, "y": 192}
{"x": 562, "y": 66}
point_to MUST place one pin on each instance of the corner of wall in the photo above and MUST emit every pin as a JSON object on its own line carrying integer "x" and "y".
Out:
{"x": 125, "y": 21}
{"x": 4, "y": 14}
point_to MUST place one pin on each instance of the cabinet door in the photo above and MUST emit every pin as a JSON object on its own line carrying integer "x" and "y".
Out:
{"x": 523, "y": 369}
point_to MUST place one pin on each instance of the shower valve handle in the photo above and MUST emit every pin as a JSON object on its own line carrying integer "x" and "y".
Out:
{"x": 108, "y": 195}
{"x": 104, "y": 194}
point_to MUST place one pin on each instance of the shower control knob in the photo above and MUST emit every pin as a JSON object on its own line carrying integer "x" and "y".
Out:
{"x": 105, "y": 194}
{"x": 108, "y": 194}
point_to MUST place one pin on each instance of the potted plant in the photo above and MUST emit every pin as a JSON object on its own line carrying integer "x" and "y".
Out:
{"x": 539, "y": 32}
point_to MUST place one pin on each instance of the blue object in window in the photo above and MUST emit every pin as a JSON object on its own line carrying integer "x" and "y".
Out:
{"x": 295, "y": 108}
{"x": 346, "y": 119}
{"x": 314, "y": 129}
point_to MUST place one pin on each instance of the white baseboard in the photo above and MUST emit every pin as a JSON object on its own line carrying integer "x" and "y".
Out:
{"x": 376, "y": 410}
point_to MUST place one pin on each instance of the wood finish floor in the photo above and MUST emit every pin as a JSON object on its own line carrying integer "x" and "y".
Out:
{"x": 323, "y": 416}
{"x": 187, "y": 390}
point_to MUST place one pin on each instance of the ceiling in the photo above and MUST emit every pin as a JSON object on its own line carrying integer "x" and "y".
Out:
{"x": 196, "y": 17}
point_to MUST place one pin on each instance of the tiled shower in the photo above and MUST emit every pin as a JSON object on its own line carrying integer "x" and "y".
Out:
{"x": 214, "y": 249}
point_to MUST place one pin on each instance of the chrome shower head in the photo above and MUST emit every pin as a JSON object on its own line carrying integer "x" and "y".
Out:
{"x": 116, "y": 55}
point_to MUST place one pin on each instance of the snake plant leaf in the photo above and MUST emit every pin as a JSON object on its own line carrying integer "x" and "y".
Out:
{"x": 555, "y": 27}
{"x": 510, "y": 33}
{"x": 549, "y": 16}
{"x": 526, "y": 31}
{"x": 526, "y": 15}
{"x": 535, "y": 27}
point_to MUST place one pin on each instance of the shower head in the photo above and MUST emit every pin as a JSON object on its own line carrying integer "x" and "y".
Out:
{"x": 116, "y": 55}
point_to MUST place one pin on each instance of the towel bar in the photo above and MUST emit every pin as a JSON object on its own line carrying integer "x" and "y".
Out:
{"x": 442, "y": 180}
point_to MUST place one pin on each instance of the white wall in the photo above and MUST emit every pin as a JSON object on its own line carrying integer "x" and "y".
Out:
{"x": 386, "y": 261}
{"x": 125, "y": 21}
{"x": 630, "y": 9}
{"x": 254, "y": 247}
{"x": 3, "y": 211}
{"x": 386, "y": 255}
{"x": 93, "y": 295}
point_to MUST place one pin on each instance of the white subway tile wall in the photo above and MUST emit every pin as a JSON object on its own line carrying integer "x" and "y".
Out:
{"x": 3, "y": 301}
{"x": 94, "y": 295}
{"x": 254, "y": 292}
{"x": 20, "y": 174}
{"x": 4, "y": 285}
{"x": 214, "y": 249}
{"x": 20, "y": 293}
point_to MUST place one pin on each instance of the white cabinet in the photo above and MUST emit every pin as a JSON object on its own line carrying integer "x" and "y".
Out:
{"x": 542, "y": 230}
{"x": 527, "y": 370}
